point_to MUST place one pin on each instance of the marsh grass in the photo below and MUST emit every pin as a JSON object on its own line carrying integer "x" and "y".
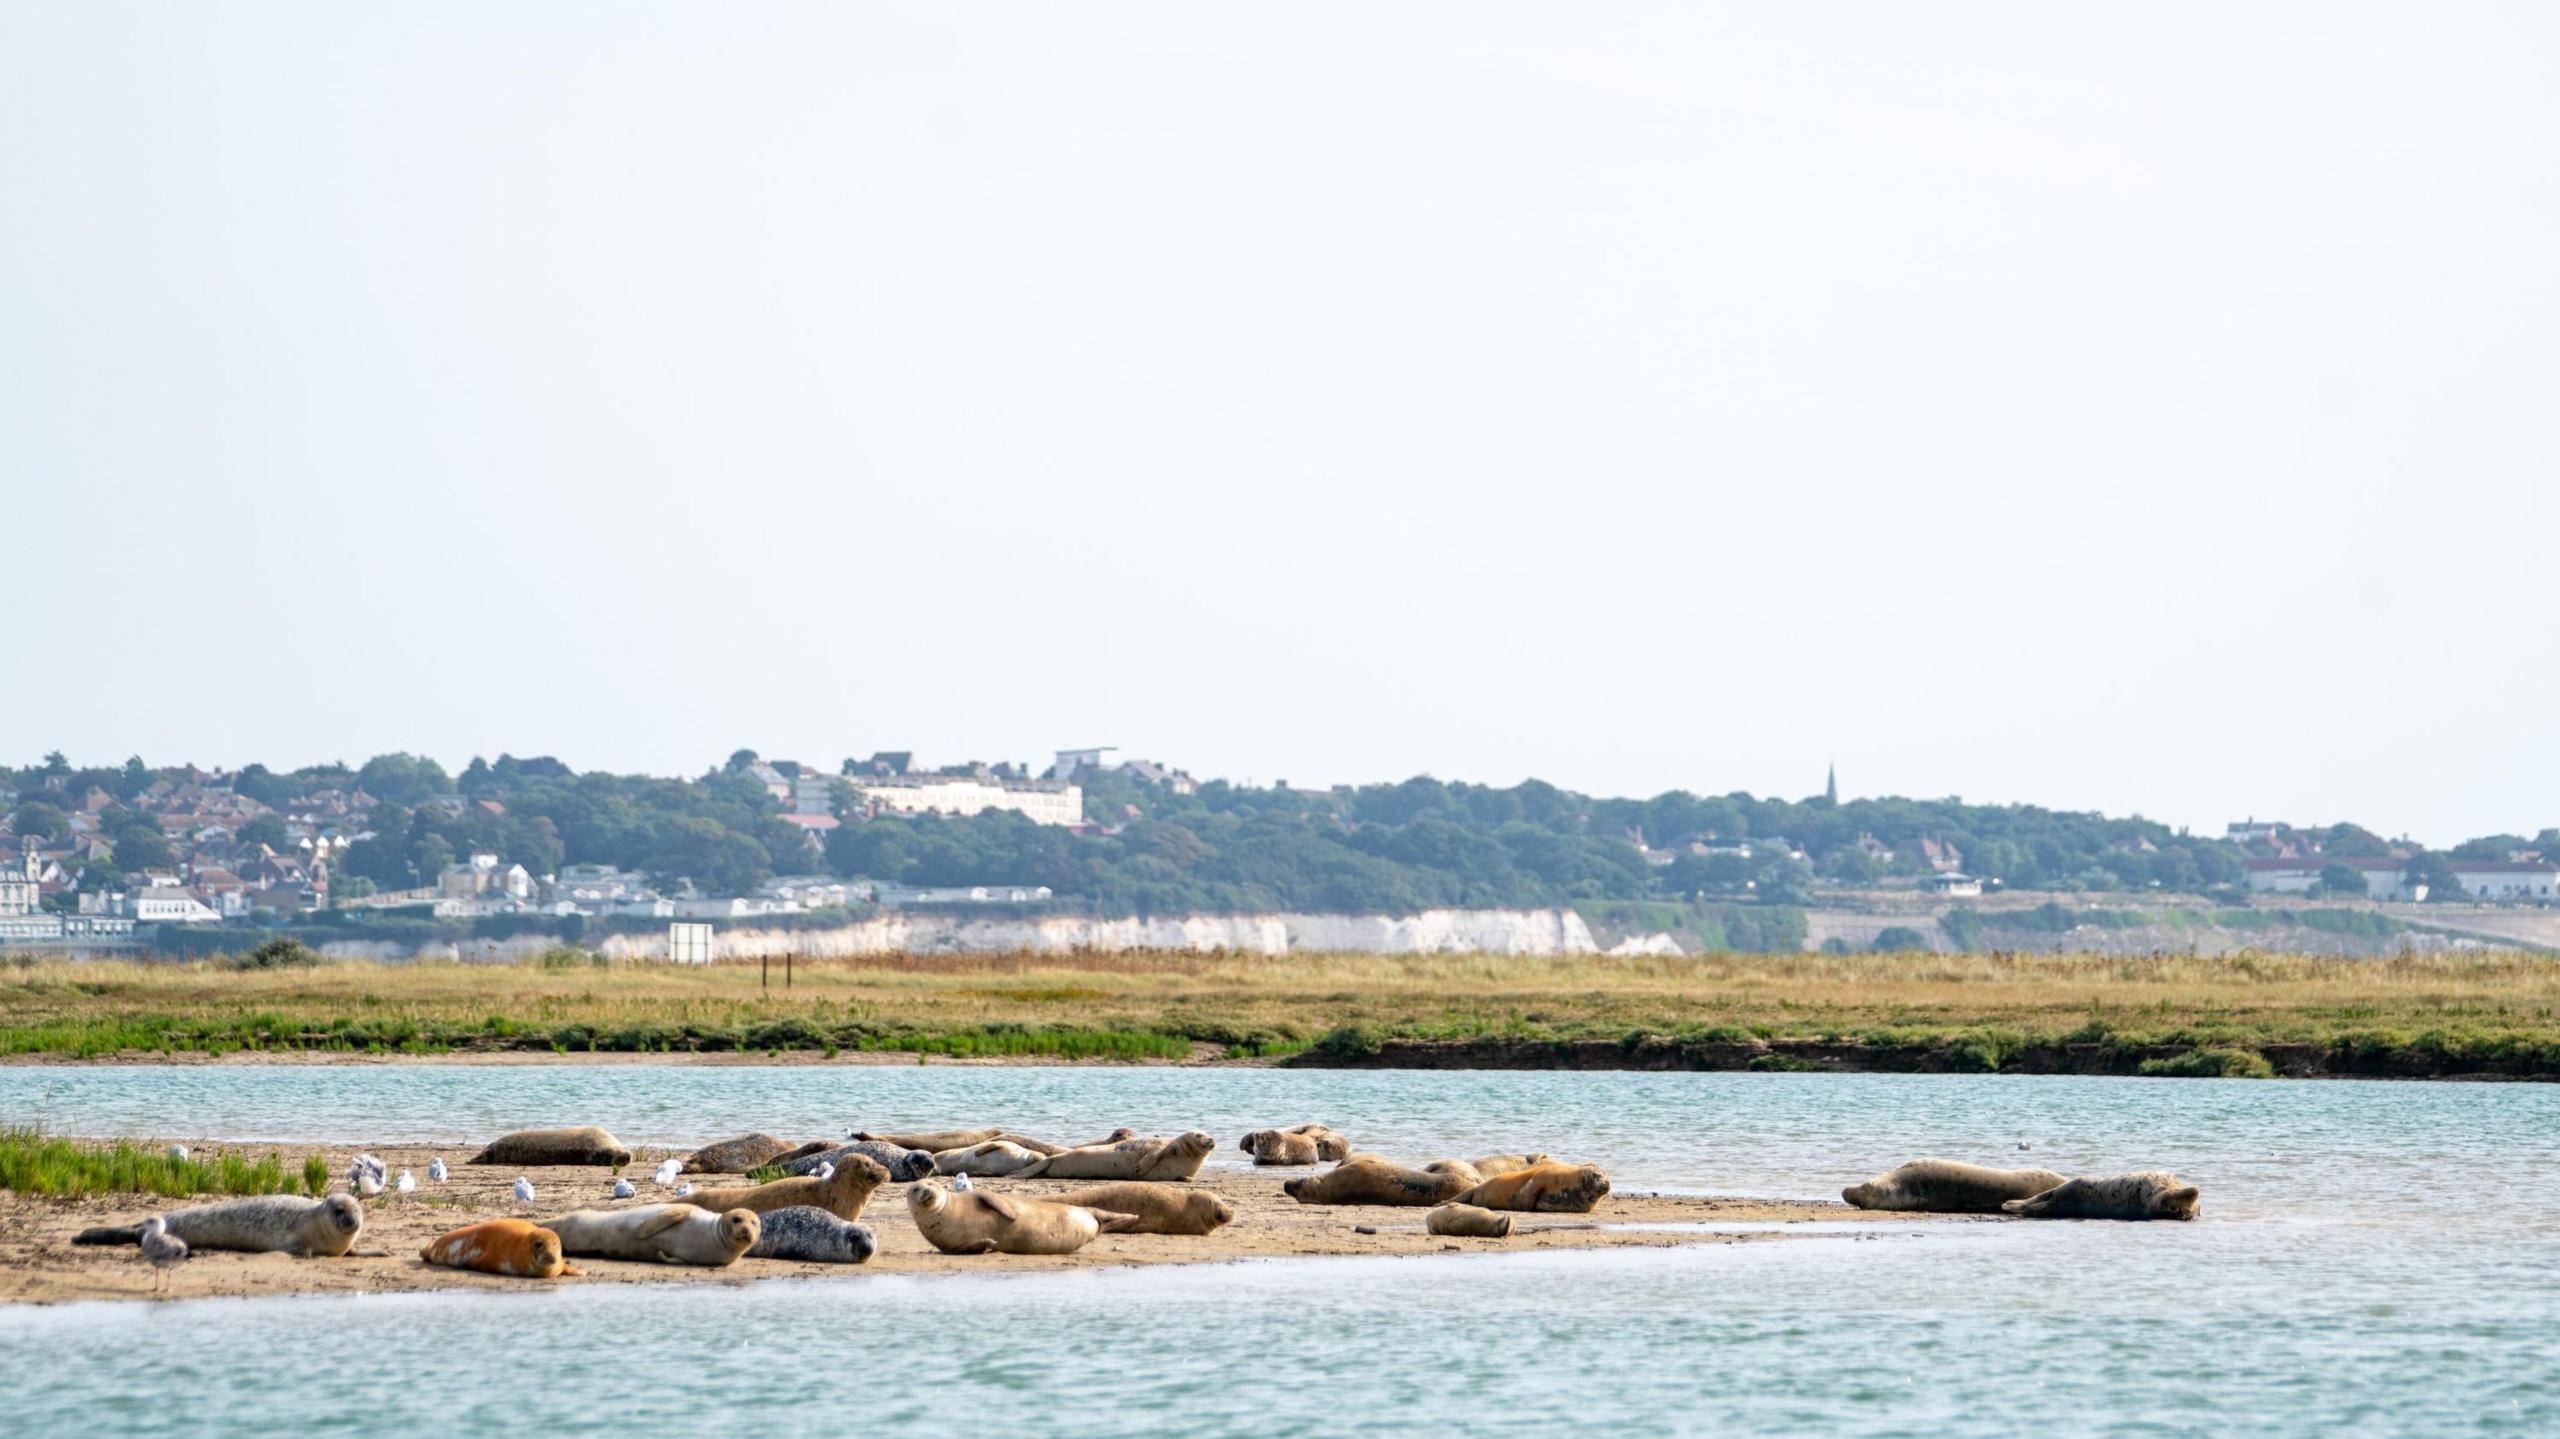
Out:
{"x": 1979, "y": 1010}
{"x": 33, "y": 1163}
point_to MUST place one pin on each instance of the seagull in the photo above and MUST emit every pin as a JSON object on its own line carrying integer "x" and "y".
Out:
{"x": 681, "y": 1193}
{"x": 524, "y": 1189}
{"x": 823, "y": 1173}
{"x": 668, "y": 1171}
{"x": 367, "y": 1176}
{"x": 406, "y": 1182}
{"x": 961, "y": 1183}
{"x": 178, "y": 1152}
{"x": 161, "y": 1249}
{"x": 435, "y": 1169}
{"x": 622, "y": 1189}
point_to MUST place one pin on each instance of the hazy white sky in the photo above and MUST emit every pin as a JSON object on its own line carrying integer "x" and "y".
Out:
{"x": 2152, "y": 410}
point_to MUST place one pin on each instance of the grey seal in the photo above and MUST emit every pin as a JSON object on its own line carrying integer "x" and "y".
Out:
{"x": 812, "y": 1235}
{"x": 267, "y": 1224}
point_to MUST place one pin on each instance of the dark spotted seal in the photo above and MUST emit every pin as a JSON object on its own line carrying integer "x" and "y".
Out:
{"x": 2150, "y": 1195}
{"x": 813, "y": 1236}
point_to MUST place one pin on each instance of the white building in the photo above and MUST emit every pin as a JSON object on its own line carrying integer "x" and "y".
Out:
{"x": 171, "y": 906}
{"x": 482, "y": 877}
{"x": 900, "y": 894}
{"x": 2531, "y": 881}
{"x": 1040, "y": 801}
{"x": 22, "y": 886}
{"x": 813, "y": 794}
{"x": 1072, "y": 760}
{"x": 1954, "y": 885}
{"x": 2384, "y": 877}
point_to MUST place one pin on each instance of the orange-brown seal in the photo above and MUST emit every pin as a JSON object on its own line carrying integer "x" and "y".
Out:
{"x": 1159, "y": 1208}
{"x": 518, "y": 1248}
{"x": 1541, "y": 1189}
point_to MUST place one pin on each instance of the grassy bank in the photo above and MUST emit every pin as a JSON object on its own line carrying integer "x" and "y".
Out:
{"x": 2177, "y": 1015}
{"x": 33, "y": 1163}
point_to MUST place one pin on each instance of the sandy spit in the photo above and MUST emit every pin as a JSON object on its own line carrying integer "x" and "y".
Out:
{"x": 39, "y": 1264}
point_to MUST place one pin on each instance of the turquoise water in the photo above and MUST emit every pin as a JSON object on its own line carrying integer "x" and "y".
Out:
{"x": 2374, "y": 1256}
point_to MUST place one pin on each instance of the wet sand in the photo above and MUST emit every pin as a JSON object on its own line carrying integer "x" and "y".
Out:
{"x": 39, "y": 1264}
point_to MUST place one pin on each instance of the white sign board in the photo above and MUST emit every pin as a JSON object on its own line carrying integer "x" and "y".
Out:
{"x": 689, "y": 943}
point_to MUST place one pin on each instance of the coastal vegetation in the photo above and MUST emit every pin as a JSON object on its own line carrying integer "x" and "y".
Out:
{"x": 32, "y": 1162}
{"x": 2167, "y": 1015}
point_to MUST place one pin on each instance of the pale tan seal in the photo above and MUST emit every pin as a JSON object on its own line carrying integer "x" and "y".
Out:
{"x": 842, "y": 1194}
{"x": 1943, "y": 1186}
{"x": 1175, "y": 1158}
{"x": 670, "y": 1233}
{"x": 266, "y": 1224}
{"x": 1306, "y": 1144}
{"x": 736, "y": 1156}
{"x": 1468, "y": 1222}
{"x": 1493, "y": 1165}
{"x": 1043, "y": 1146}
{"x": 1367, "y": 1179}
{"x": 933, "y": 1141}
{"x": 1160, "y": 1208}
{"x": 977, "y": 1222}
{"x": 2152, "y": 1194}
{"x": 1542, "y": 1189}
{"x": 994, "y": 1159}
{"x": 589, "y": 1145}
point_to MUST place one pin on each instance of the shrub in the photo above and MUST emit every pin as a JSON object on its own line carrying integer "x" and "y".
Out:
{"x": 1349, "y": 1042}
{"x": 277, "y": 953}
{"x": 2211, "y": 1064}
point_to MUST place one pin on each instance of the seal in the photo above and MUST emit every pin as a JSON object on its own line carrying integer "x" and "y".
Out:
{"x": 1497, "y": 1164}
{"x": 994, "y": 1159}
{"x": 976, "y": 1222}
{"x": 1175, "y": 1158}
{"x": 2152, "y": 1194}
{"x": 555, "y": 1146}
{"x": 1467, "y": 1222}
{"x": 1943, "y": 1186}
{"x": 1330, "y": 1146}
{"x": 735, "y": 1156}
{"x": 1542, "y": 1189}
{"x": 1160, "y": 1208}
{"x": 267, "y": 1224}
{"x": 842, "y": 1194}
{"x": 1281, "y": 1146}
{"x": 813, "y": 1236}
{"x": 1459, "y": 1168}
{"x": 670, "y": 1233}
{"x": 1042, "y": 1146}
{"x": 518, "y": 1248}
{"x": 1367, "y": 1179}
{"x": 903, "y": 1165}
{"x": 933, "y": 1141}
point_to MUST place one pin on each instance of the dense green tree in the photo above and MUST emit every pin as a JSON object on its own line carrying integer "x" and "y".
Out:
{"x": 266, "y": 830}
{"x": 36, "y": 819}
{"x": 403, "y": 779}
{"x": 2342, "y": 879}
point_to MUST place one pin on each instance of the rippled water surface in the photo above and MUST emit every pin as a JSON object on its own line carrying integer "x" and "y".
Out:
{"x": 2381, "y": 1257}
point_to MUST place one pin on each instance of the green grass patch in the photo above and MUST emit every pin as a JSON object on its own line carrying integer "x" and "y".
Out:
{"x": 33, "y": 1163}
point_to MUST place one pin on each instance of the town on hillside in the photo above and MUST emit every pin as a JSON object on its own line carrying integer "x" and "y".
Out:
{"x": 398, "y": 848}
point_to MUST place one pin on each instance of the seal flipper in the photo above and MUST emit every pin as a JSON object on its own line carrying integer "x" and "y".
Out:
{"x": 1115, "y": 1223}
{"x": 983, "y": 1246}
{"x": 1003, "y": 1208}
{"x": 1032, "y": 1170}
{"x": 665, "y": 1219}
{"x": 110, "y": 1234}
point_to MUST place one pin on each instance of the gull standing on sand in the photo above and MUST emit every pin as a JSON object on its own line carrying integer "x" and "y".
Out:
{"x": 162, "y": 1250}
{"x": 681, "y": 1193}
{"x": 435, "y": 1169}
{"x": 366, "y": 1177}
{"x": 622, "y": 1189}
{"x": 960, "y": 1182}
{"x": 406, "y": 1182}
{"x": 524, "y": 1189}
{"x": 668, "y": 1171}
{"x": 178, "y": 1152}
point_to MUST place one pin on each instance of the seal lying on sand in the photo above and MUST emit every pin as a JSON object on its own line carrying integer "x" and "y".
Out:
{"x": 1493, "y": 1165}
{"x": 1175, "y": 1158}
{"x": 515, "y": 1247}
{"x": 555, "y": 1146}
{"x": 978, "y": 1222}
{"x": 735, "y": 1156}
{"x": 1042, "y": 1146}
{"x": 903, "y": 1164}
{"x": 843, "y": 1194}
{"x": 1367, "y": 1179}
{"x": 1542, "y": 1189}
{"x": 1942, "y": 1186}
{"x": 672, "y": 1233}
{"x": 1159, "y": 1208}
{"x": 2150, "y": 1195}
{"x": 933, "y": 1141}
{"x": 812, "y": 1235}
{"x": 1468, "y": 1222}
{"x": 267, "y": 1224}
{"x": 994, "y": 1159}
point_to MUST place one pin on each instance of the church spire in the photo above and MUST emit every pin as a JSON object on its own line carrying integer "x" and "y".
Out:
{"x": 1831, "y": 783}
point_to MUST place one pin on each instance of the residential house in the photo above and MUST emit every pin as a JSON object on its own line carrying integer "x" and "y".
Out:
{"x": 2509, "y": 881}
{"x": 1954, "y": 885}
{"x": 2385, "y": 876}
{"x": 1040, "y": 801}
{"x": 162, "y": 904}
